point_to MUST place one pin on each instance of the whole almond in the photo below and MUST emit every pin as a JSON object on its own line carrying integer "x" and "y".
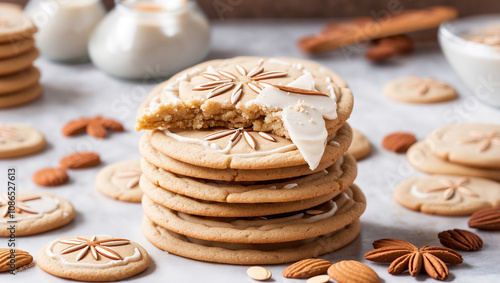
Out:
{"x": 96, "y": 129}
{"x": 403, "y": 43}
{"x": 80, "y": 160}
{"x": 22, "y": 258}
{"x": 460, "y": 240}
{"x": 111, "y": 124}
{"x": 399, "y": 142}
{"x": 379, "y": 53}
{"x": 352, "y": 271}
{"x": 75, "y": 127}
{"x": 50, "y": 177}
{"x": 307, "y": 268}
{"x": 486, "y": 219}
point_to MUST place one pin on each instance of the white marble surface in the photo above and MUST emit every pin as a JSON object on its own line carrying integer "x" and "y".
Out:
{"x": 73, "y": 91}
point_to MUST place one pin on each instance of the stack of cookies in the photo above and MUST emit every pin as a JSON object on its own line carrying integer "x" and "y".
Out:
{"x": 19, "y": 79}
{"x": 244, "y": 162}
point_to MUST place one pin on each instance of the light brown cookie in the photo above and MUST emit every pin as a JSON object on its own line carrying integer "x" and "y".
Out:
{"x": 93, "y": 258}
{"x": 120, "y": 181}
{"x": 419, "y": 90}
{"x": 19, "y": 81}
{"x": 35, "y": 212}
{"x": 247, "y": 253}
{"x": 191, "y": 146}
{"x": 160, "y": 160}
{"x": 314, "y": 222}
{"x": 337, "y": 177}
{"x": 12, "y": 260}
{"x": 14, "y": 24}
{"x": 15, "y": 48}
{"x": 194, "y": 206}
{"x": 422, "y": 158}
{"x": 447, "y": 195}
{"x": 18, "y": 140}
{"x": 360, "y": 146}
{"x": 21, "y": 97}
{"x": 476, "y": 145}
{"x": 18, "y": 63}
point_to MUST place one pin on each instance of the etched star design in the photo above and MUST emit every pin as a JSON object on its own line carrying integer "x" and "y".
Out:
{"x": 8, "y": 133}
{"x": 450, "y": 188}
{"x": 424, "y": 85}
{"x": 485, "y": 140}
{"x": 133, "y": 175}
{"x": 236, "y": 135}
{"x": 223, "y": 81}
{"x": 20, "y": 205}
{"x": 95, "y": 247}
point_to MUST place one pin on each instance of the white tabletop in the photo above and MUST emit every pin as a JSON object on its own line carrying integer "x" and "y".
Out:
{"x": 73, "y": 91}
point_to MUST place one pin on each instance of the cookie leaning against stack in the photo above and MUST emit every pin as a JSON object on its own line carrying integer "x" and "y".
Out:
{"x": 18, "y": 77}
{"x": 250, "y": 165}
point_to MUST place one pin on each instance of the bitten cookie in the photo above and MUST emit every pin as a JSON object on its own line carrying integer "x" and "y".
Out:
{"x": 121, "y": 181}
{"x": 447, "y": 195}
{"x": 93, "y": 258}
{"x": 18, "y": 140}
{"x": 360, "y": 146}
{"x": 418, "y": 90}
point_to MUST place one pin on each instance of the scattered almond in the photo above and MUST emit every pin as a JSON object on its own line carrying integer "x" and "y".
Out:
{"x": 80, "y": 160}
{"x": 352, "y": 271}
{"x": 319, "y": 279}
{"x": 486, "y": 219}
{"x": 380, "y": 52}
{"x": 75, "y": 127}
{"x": 50, "y": 177}
{"x": 259, "y": 273}
{"x": 111, "y": 124}
{"x": 95, "y": 127}
{"x": 460, "y": 240}
{"x": 399, "y": 142}
{"x": 307, "y": 268}
{"x": 22, "y": 258}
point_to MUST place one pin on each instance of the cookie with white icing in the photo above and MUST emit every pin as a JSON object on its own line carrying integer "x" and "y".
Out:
{"x": 35, "y": 212}
{"x": 448, "y": 195}
{"x": 476, "y": 145}
{"x": 93, "y": 258}
{"x": 360, "y": 146}
{"x": 14, "y": 24}
{"x": 121, "y": 181}
{"x": 421, "y": 157}
{"x": 339, "y": 176}
{"x": 18, "y": 140}
{"x": 294, "y": 98}
{"x": 414, "y": 89}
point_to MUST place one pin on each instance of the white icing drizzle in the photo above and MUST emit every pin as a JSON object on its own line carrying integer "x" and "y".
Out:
{"x": 41, "y": 206}
{"x": 418, "y": 194}
{"x": 277, "y": 61}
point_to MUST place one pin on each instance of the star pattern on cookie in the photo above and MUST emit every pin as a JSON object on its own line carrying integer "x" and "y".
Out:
{"x": 19, "y": 206}
{"x": 223, "y": 81}
{"x": 236, "y": 135}
{"x": 133, "y": 175}
{"x": 424, "y": 85}
{"x": 8, "y": 133}
{"x": 95, "y": 247}
{"x": 485, "y": 140}
{"x": 450, "y": 188}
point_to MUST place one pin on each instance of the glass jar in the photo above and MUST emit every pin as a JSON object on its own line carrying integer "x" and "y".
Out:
{"x": 150, "y": 39}
{"x": 64, "y": 27}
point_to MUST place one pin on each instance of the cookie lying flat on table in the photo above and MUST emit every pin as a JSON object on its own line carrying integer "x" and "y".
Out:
{"x": 120, "y": 181}
{"x": 418, "y": 90}
{"x": 18, "y": 140}
{"x": 360, "y": 146}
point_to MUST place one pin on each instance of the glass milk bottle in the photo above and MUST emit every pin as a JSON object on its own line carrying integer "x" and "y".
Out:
{"x": 64, "y": 27}
{"x": 150, "y": 39}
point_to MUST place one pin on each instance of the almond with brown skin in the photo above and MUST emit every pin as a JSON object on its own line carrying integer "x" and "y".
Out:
{"x": 75, "y": 127}
{"x": 111, "y": 124}
{"x": 50, "y": 177}
{"x": 352, "y": 271}
{"x": 96, "y": 129}
{"x": 460, "y": 240}
{"x": 307, "y": 268}
{"x": 80, "y": 160}
{"x": 22, "y": 258}
{"x": 486, "y": 219}
{"x": 379, "y": 53}
{"x": 399, "y": 142}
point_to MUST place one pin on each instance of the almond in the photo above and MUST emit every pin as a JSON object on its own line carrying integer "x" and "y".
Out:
{"x": 352, "y": 271}
{"x": 75, "y": 127}
{"x": 399, "y": 142}
{"x": 486, "y": 219}
{"x": 50, "y": 177}
{"x": 111, "y": 124}
{"x": 96, "y": 129}
{"x": 460, "y": 240}
{"x": 379, "y": 53}
{"x": 307, "y": 268}
{"x": 80, "y": 160}
{"x": 259, "y": 273}
{"x": 22, "y": 258}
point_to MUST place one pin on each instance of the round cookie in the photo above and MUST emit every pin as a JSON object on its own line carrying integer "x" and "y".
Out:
{"x": 421, "y": 157}
{"x": 319, "y": 220}
{"x": 360, "y": 146}
{"x": 190, "y": 146}
{"x": 247, "y": 254}
{"x": 121, "y": 181}
{"x": 38, "y": 212}
{"x": 337, "y": 177}
{"x": 448, "y": 195}
{"x": 18, "y": 140}
{"x": 418, "y": 90}
{"x": 476, "y": 145}
{"x": 15, "y": 48}
{"x": 18, "y": 63}
{"x": 93, "y": 258}
{"x": 21, "y": 97}
{"x": 14, "y": 24}
{"x": 217, "y": 209}
{"x": 160, "y": 160}
{"x": 19, "y": 81}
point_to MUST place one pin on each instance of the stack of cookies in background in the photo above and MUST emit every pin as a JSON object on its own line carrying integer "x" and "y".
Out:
{"x": 244, "y": 162}
{"x": 19, "y": 79}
